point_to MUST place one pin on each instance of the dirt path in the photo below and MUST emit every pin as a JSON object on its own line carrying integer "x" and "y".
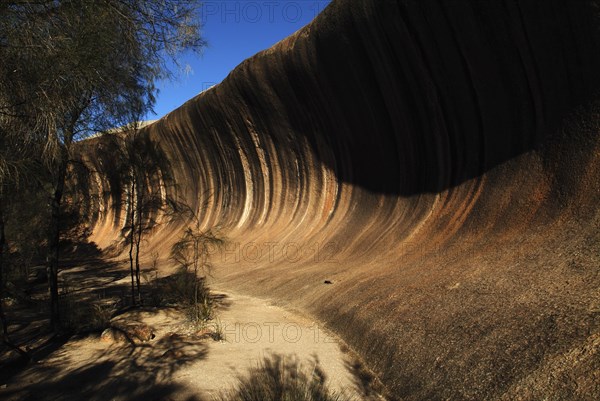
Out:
{"x": 255, "y": 330}
{"x": 178, "y": 364}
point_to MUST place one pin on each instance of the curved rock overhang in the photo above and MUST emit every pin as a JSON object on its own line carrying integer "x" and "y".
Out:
{"x": 438, "y": 163}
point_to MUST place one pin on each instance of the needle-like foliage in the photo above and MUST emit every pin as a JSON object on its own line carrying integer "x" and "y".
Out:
{"x": 72, "y": 68}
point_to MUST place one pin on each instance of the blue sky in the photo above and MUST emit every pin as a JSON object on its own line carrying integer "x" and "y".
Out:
{"x": 235, "y": 30}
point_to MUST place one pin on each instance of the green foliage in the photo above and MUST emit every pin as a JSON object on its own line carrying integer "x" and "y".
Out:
{"x": 73, "y": 68}
{"x": 191, "y": 253}
{"x": 189, "y": 291}
{"x": 193, "y": 249}
{"x": 26, "y": 214}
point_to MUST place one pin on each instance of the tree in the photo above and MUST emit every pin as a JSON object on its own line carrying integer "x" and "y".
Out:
{"x": 137, "y": 173}
{"x": 17, "y": 132}
{"x": 191, "y": 252}
{"x": 15, "y": 161}
{"x": 82, "y": 67}
{"x": 17, "y": 153}
{"x": 146, "y": 167}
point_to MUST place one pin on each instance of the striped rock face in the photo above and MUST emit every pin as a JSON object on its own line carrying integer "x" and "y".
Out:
{"x": 421, "y": 176}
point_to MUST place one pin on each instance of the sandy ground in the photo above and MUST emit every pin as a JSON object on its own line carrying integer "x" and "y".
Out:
{"x": 253, "y": 330}
{"x": 178, "y": 364}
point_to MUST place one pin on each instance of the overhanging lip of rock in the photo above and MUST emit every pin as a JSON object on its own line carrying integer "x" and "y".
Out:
{"x": 397, "y": 149}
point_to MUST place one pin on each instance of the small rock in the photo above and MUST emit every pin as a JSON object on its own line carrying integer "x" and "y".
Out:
{"x": 107, "y": 335}
{"x": 134, "y": 333}
{"x": 112, "y": 335}
{"x": 140, "y": 332}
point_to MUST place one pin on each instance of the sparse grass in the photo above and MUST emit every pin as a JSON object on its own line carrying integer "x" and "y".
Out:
{"x": 191, "y": 293}
{"x": 155, "y": 293}
{"x": 217, "y": 330}
{"x": 199, "y": 312}
{"x": 84, "y": 315}
{"x": 280, "y": 378}
{"x": 183, "y": 289}
{"x": 191, "y": 253}
{"x": 197, "y": 303}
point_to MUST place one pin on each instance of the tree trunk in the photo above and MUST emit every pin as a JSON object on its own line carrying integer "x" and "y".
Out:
{"x": 132, "y": 238}
{"x": 140, "y": 228}
{"x": 2, "y": 242}
{"x": 196, "y": 272}
{"x": 137, "y": 259}
{"x": 53, "y": 241}
{"x": 5, "y": 339}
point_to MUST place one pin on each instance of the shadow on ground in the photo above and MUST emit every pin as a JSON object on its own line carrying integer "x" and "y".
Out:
{"x": 92, "y": 368}
{"x": 283, "y": 377}
{"x": 79, "y": 364}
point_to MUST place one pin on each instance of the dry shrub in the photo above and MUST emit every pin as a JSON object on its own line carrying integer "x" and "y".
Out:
{"x": 282, "y": 378}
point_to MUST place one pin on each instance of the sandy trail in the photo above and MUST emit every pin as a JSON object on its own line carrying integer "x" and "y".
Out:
{"x": 178, "y": 365}
{"x": 255, "y": 329}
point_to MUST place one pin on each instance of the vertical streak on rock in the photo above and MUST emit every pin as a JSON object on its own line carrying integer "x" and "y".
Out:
{"x": 437, "y": 161}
